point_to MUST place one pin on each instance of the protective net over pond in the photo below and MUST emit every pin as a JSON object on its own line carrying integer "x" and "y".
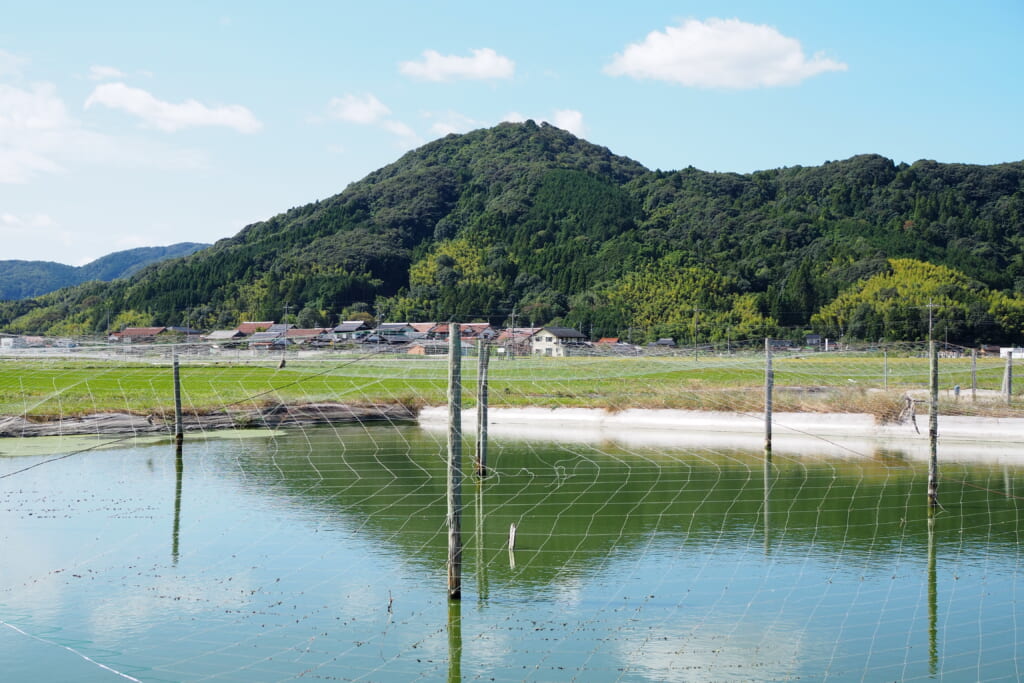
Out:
{"x": 319, "y": 551}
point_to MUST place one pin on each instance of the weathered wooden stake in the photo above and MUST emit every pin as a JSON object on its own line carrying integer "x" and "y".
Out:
{"x": 454, "y": 462}
{"x": 933, "y": 425}
{"x": 481, "y": 408}
{"x": 974, "y": 375}
{"x": 885, "y": 369}
{"x": 769, "y": 385}
{"x": 179, "y": 430}
{"x": 1008, "y": 377}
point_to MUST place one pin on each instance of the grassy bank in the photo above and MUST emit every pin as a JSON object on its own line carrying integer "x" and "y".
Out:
{"x": 867, "y": 383}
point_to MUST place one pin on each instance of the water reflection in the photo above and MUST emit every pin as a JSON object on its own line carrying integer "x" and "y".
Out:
{"x": 179, "y": 470}
{"x": 766, "y": 510}
{"x": 322, "y": 553}
{"x": 479, "y": 521}
{"x": 933, "y": 603}
{"x": 454, "y": 641}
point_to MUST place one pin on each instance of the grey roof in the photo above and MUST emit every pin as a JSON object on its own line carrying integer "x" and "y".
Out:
{"x": 267, "y": 336}
{"x": 224, "y": 334}
{"x": 563, "y": 332}
{"x": 351, "y": 326}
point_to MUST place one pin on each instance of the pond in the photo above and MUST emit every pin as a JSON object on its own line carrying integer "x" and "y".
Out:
{"x": 320, "y": 554}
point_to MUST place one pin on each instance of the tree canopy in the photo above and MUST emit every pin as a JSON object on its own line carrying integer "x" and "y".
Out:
{"x": 530, "y": 219}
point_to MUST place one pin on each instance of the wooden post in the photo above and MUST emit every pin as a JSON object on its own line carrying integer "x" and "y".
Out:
{"x": 885, "y": 369}
{"x": 481, "y": 407}
{"x": 454, "y": 462}
{"x": 974, "y": 375}
{"x": 1008, "y": 377}
{"x": 179, "y": 430}
{"x": 933, "y": 425}
{"x": 769, "y": 384}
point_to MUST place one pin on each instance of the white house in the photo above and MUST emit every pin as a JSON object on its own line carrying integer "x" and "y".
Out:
{"x": 556, "y": 341}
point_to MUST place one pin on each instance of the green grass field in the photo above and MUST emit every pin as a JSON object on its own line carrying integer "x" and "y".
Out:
{"x": 833, "y": 382}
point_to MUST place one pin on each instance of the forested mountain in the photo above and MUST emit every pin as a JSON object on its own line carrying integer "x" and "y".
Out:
{"x": 532, "y": 219}
{"x": 23, "y": 279}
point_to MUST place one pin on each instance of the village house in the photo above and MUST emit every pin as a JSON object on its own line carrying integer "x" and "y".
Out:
{"x": 557, "y": 341}
{"x": 138, "y": 335}
{"x": 226, "y": 338}
{"x": 250, "y": 328}
{"x": 515, "y": 341}
{"x": 349, "y": 330}
{"x": 466, "y": 331}
{"x": 308, "y": 336}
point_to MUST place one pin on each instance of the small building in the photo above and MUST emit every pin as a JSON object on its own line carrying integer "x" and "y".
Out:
{"x": 663, "y": 343}
{"x": 225, "y": 338}
{"x": 348, "y": 330}
{"x": 138, "y": 335}
{"x": 306, "y": 336}
{"x": 515, "y": 341}
{"x": 557, "y": 341}
{"x": 274, "y": 337}
{"x": 466, "y": 330}
{"x": 250, "y": 328}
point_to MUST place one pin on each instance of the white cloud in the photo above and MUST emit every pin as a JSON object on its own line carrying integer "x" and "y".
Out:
{"x": 570, "y": 120}
{"x": 170, "y": 117}
{"x": 363, "y": 109}
{"x": 485, "y": 64}
{"x": 566, "y": 119}
{"x": 38, "y": 136}
{"x": 720, "y": 53}
{"x": 367, "y": 110}
{"x": 105, "y": 73}
{"x": 34, "y": 125}
{"x": 453, "y": 122}
{"x": 38, "y": 229}
{"x": 10, "y": 64}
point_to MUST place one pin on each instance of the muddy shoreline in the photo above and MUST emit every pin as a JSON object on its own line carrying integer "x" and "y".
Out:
{"x": 271, "y": 417}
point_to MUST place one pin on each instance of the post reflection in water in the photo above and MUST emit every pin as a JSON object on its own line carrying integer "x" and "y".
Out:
{"x": 454, "y": 641}
{"x": 933, "y": 602}
{"x": 481, "y": 565}
{"x": 179, "y": 469}
{"x": 767, "y": 499}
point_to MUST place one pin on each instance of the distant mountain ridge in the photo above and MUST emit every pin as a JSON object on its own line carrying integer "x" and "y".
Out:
{"x": 24, "y": 279}
{"x": 525, "y": 223}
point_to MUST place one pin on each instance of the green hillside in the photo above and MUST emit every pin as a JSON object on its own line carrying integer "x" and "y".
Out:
{"x": 532, "y": 219}
{"x": 24, "y": 279}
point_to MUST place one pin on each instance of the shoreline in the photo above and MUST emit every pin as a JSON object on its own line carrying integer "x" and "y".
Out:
{"x": 851, "y": 435}
{"x": 274, "y": 417}
{"x": 832, "y": 434}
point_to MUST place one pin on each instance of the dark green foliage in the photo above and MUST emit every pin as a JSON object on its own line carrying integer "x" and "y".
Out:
{"x": 531, "y": 218}
{"x": 24, "y": 279}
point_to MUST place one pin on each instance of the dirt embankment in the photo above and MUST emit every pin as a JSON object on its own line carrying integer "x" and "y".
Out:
{"x": 275, "y": 416}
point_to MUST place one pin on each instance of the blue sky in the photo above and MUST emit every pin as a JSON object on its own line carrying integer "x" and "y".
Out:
{"x": 127, "y": 124}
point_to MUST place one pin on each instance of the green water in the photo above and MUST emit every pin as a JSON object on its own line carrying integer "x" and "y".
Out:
{"x": 321, "y": 555}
